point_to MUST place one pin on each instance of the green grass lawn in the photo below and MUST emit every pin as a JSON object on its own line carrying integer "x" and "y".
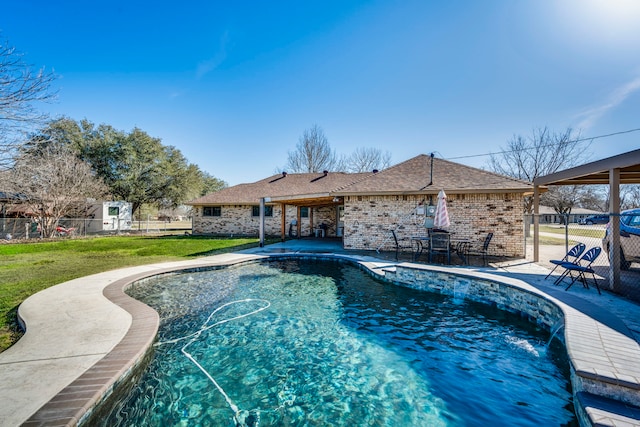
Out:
{"x": 26, "y": 268}
{"x": 547, "y": 240}
{"x": 596, "y": 233}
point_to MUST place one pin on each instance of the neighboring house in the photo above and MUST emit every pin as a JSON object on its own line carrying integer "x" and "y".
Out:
{"x": 12, "y": 206}
{"x": 549, "y": 216}
{"x": 364, "y": 208}
{"x": 18, "y": 219}
{"x": 15, "y": 216}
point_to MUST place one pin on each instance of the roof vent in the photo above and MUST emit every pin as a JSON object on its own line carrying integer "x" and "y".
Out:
{"x": 318, "y": 178}
{"x": 284, "y": 175}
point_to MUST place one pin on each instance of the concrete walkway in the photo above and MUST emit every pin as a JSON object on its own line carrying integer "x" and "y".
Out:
{"x": 83, "y": 335}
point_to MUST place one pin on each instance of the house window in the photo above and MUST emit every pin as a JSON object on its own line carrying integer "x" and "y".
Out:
{"x": 211, "y": 211}
{"x": 268, "y": 211}
{"x": 114, "y": 211}
{"x": 304, "y": 212}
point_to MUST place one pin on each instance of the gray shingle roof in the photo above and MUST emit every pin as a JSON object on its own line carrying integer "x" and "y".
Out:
{"x": 292, "y": 184}
{"x": 410, "y": 177}
{"x": 414, "y": 176}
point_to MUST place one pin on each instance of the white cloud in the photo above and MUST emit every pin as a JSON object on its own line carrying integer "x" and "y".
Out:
{"x": 206, "y": 66}
{"x": 617, "y": 97}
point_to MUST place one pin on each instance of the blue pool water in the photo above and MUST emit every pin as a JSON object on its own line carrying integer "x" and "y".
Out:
{"x": 318, "y": 343}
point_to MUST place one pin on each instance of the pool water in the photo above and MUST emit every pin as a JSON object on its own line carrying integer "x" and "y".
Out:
{"x": 317, "y": 343}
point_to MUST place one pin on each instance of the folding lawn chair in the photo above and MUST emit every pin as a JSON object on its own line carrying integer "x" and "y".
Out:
{"x": 571, "y": 256}
{"x": 578, "y": 270}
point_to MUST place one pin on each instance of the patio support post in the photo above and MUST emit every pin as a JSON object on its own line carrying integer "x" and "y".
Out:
{"x": 261, "y": 232}
{"x": 536, "y": 223}
{"x": 614, "y": 223}
{"x": 283, "y": 222}
{"x": 299, "y": 225}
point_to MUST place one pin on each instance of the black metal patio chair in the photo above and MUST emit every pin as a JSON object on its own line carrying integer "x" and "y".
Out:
{"x": 440, "y": 245}
{"x": 400, "y": 244}
{"x": 483, "y": 250}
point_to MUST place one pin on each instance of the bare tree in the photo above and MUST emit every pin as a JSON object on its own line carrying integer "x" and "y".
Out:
{"x": 595, "y": 197}
{"x": 20, "y": 89}
{"x": 53, "y": 182}
{"x": 543, "y": 153}
{"x": 562, "y": 199}
{"x": 367, "y": 159}
{"x": 630, "y": 196}
{"x": 312, "y": 153}
{"x": 540, "y": 154}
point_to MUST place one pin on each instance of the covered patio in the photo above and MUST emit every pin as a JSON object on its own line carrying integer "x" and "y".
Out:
{"x": 310, "y": 201}
{"x": 612, "y": 171}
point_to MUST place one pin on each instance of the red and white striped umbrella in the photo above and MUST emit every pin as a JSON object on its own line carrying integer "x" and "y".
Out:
{"x": 441, "y": 219}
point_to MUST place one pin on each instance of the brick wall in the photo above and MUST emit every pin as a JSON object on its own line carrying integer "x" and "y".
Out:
{"x": 237, "y": 220}
{"x": 370, "y": 219}
{"x": 327, "y": 216}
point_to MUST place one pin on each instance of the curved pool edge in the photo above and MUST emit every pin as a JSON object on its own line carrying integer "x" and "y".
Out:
{"x": 604, "y": 362}
{"x": 84, "y": 338}
{"x": 596, "y": 382}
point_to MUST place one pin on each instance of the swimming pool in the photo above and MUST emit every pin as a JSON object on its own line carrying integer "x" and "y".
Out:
{"x": 301, "y": 342}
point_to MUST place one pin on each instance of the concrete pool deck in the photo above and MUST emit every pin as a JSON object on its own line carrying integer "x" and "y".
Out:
{"x": 83, "y": 335}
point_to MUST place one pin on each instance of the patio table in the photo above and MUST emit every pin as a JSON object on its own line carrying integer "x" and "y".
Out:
{"x": 458, "y": 246}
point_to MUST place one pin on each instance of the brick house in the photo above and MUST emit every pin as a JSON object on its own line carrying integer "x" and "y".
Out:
{"x": 362, "y": 209}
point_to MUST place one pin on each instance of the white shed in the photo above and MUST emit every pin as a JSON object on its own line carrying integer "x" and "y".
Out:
{"x": 109, "y": 216}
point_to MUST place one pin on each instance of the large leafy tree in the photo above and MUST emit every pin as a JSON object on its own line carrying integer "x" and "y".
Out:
{"x": 185, "y": 179}
{"x": 209, "y": 184}
{"x": 137, "y": 168}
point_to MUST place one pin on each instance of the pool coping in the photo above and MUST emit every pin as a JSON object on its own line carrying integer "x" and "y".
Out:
{"x": 62, "y": 385}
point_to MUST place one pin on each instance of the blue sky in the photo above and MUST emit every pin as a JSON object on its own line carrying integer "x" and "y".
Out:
{"x": 233, "y": 85}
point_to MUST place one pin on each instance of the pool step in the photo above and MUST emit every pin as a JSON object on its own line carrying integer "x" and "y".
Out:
{"x": 600, "y": 411}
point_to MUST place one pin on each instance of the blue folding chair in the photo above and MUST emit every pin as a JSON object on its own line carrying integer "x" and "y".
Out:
{"x": 572, "y": 256}
{"x": 581, "y": 269}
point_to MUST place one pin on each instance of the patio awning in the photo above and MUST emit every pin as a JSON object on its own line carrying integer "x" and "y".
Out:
{"x": 612, "y": 171}
{"x": 597, "y": 173}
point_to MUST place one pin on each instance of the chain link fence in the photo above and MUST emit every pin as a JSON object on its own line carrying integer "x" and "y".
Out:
{"x": 556, "y": 238}
{"x": 27, "y": 228}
